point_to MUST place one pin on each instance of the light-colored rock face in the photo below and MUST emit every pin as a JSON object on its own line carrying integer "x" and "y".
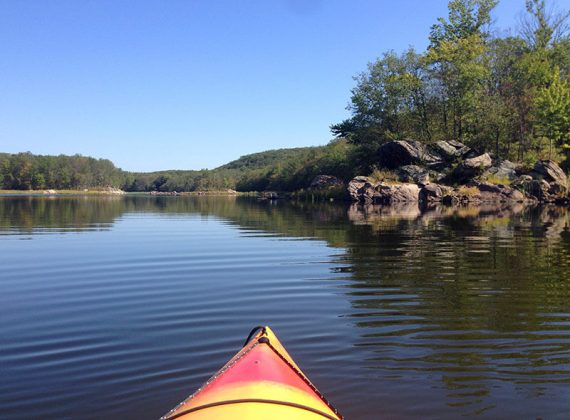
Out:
{"x": 356, "y": 187}
{"x": 483, "y": 161}
{"x": 404, "y": 193}
{"x": 451, "y": 149}
{"x": 363, "y": 190}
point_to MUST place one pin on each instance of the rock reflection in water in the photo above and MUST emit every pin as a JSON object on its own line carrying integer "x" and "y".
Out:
{"x": 474, "y": 296}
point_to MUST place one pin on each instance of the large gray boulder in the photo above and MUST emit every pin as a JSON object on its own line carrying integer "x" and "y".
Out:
{"x": 363, "y": 190}
{"x": 357, "y": 187}
{"x": 470, "y": 168}
{"x": 401, "y": 193}
{"x": 505, "y": 169}
{"x": 547, "y": 182}
{"x": 540, "y": 189}
{"x": 431, "y": 193}
{"x": 550, "y": 172}
{"x": 413, "y": 173}
{"x": 451, "y": 149}
{"x": 405, "y": 152}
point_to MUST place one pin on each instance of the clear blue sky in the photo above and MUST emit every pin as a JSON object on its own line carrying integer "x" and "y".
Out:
{"x": 191, "y": 84}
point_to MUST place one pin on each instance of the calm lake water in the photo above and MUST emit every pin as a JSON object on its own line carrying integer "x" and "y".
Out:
{"x": 120, "y": 307}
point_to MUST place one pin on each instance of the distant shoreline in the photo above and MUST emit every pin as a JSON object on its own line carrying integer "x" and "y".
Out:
{"x": 54, "y": 193}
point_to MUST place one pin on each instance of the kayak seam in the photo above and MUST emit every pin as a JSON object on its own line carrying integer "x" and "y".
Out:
{"x": 252, "y": 400}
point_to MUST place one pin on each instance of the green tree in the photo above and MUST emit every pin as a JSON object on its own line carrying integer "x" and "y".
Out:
{"x": 465, "y": 19}
{"x": 457, "y": 58}
{"x": 552, "y": 107}
{"x": 390, "y": 101}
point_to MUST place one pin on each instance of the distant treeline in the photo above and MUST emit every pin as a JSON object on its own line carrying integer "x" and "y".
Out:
{"x": 283, "y": 170}
{"x": 508, "y": 95}
{"x": 25, "y": 171}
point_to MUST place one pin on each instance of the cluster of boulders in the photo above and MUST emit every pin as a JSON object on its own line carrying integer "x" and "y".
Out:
{"x": 451, "y": 172}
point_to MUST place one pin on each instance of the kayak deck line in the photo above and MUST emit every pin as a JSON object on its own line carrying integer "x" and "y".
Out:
{"x": 248, "y": 385}
{"x": 253, "y": 400}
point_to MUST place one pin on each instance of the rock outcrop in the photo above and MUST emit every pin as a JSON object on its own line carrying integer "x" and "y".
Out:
{"x": 401, "y": 193}
{"x": 470, "y": 168}
{"x": 425, "y": 170}
{"x": 356, "y": 188}
{"x": 405, "y": 152}
{"x": 363, "y": 190}
{"x": 413, "y": 173}
{"x": 325, "y": 181}
{"x": 551, "y": 173}
{"x": 504, "y": 169}
{"x": 499, "y": 193}
{"x": 547, "y": 182}
{"x": 451, "y": 150}
{"x": 431, "y": 193}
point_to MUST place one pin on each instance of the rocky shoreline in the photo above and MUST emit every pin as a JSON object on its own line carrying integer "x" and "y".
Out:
{"x": 452, "y": 173}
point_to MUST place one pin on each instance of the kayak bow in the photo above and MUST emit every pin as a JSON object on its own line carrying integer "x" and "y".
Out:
{"x": 260, "y": 381}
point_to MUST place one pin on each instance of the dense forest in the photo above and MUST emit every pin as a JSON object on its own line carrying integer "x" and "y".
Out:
{"x": 508, "y": 95}
{"x": 283, "y": 170}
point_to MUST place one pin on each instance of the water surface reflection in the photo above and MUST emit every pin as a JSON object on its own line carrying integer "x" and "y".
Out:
{"x": 436, "y": 312}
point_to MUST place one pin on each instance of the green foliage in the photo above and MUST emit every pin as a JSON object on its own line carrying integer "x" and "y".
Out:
{"x": 500, "y": 95}
{"x": 552, "y": 107}
{"x": 390, "y": 101}
{"x": 282, "y": 170}
{"x": 24, "y": 171}
{"x": 466, "y": 18}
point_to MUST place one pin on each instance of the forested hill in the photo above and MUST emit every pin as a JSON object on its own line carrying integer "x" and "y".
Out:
{"x": 267, "y": 159}
{"x": 284, "y": 170}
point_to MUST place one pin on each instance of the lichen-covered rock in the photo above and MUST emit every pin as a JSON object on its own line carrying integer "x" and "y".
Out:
{"x": 551, "y": 173}
{"x": 405, "y": 152}
{"x": 450, "y": 150}
{"x": 470, "y": 168}
{"x": 547, "y": 182}
{"x": 413, "y": 173}
{"x": 505, "y": 169}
